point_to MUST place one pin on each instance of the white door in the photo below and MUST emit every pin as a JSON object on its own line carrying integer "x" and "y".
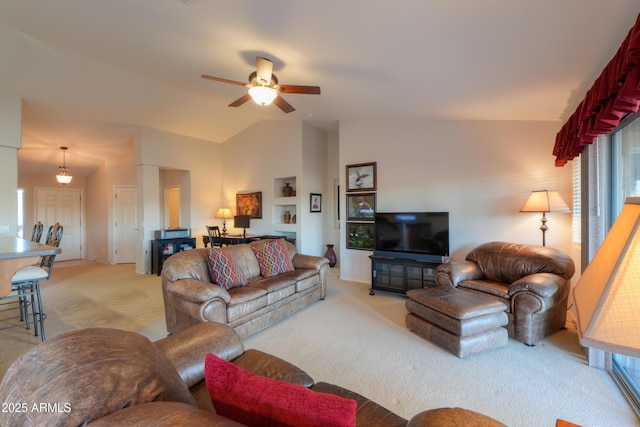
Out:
{"x": 126, "y": 228}
{"x": 63, "y": 206}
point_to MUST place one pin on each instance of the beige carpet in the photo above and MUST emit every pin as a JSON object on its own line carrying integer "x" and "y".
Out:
{"x": 360, "y": 342}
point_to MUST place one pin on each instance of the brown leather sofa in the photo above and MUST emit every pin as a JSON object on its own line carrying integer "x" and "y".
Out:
{"x": 190, "y": 297}
{"x": 532, "y": 280}
{"x": 109, "y": 377}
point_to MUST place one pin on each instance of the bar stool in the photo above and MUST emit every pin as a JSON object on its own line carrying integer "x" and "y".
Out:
{"x": 26, "y": 283}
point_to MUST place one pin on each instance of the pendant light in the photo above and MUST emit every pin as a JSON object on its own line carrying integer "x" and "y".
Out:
{"x": 64, "y": 177}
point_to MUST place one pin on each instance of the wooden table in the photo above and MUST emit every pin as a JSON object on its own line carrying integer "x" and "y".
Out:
{"x": 16, "y": 253}
{"x": 236, "y": 239}
{"x": 231, "y": 239}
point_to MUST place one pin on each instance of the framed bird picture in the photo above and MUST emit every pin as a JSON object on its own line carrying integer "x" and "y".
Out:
{"x": 361, "y": 177}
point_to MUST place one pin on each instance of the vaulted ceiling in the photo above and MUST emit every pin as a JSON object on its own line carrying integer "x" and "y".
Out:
{"x": 91, "y": 72}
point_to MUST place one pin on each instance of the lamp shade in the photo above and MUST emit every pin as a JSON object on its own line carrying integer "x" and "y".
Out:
{"x": 64, "y": 177}
{"x": 241, "y": 221}
{"x": 545, "y": 201}
{"x": 224, "y": 213}
{"x": 263, "y": 95}
{"x": 607, "y": 295}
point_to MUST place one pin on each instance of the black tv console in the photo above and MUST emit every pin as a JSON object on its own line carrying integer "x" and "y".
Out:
{"x": 398, "y": 272}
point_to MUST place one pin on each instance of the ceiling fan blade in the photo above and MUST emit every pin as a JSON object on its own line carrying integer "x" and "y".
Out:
{"x": 308, "y": 90}
{"x": 264, "y": 69}
{"x": 238, "y": 102}
{"x": 284, "y": 105}
{"x": 219, "y": 79}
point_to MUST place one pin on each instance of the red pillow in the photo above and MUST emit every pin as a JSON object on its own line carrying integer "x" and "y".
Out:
{"x": 259, "y": 401}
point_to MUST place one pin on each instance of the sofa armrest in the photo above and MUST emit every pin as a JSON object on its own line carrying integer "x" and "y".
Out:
{"x": 544, "y": 285}
{"x": 268, "y": 365}
{"x": 452, "y": 417}
{"x": 451, "y": 273}
{"x": 309, "y": 261}
{"x": 187, "y": 348}
{"x": 197, "y": 291}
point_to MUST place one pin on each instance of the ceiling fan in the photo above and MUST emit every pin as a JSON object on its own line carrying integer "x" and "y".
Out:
{"x": 264, "y": 88}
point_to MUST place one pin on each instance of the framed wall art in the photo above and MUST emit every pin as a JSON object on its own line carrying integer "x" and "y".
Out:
{"x": 249, "y": 204}
{"x": 361, "y": 177}
{"x": 361, "y": 206}
{"x": 360, "y": 235}
{"x": 315, "y": 202}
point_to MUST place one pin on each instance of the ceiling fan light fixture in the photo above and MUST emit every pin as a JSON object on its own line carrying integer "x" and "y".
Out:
{"x": 263, "y": 95}
{"x": 64, "y": 177}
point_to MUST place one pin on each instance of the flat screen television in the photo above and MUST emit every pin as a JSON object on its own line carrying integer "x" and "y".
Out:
{"x": 415, "y": 232}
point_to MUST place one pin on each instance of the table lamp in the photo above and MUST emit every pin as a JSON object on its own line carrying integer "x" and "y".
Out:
{"x": 242, "y": 221}
{"x": 544, "y": 201}
{"x": 607, "y": 295}
{"x": 224, "y": 213}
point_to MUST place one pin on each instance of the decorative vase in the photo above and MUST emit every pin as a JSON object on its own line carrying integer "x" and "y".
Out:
{"x": 287, "y": 217}
{"x": 287, "y": 190}
{"x": 331, "y": 255}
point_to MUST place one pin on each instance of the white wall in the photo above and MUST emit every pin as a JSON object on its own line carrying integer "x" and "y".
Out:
{"x": 332, "y": 228}
{"x": 155, "y": 150}
{"x": 276, "y": 149}
{"x": 481, "y": 172}
{"x": 314, "y": 167}
{"x": 10, "y": 141}
{"x": 252, "y": 159}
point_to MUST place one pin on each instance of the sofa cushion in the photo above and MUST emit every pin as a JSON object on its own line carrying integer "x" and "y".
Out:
{"x": 244, "y": 301}
{"x": 253, "y": 400}
{"x": 224, "y": 270}
{"x": 272, "y": 257}
{"x": 164, "y": 414}
{"x": 490, "y": 287}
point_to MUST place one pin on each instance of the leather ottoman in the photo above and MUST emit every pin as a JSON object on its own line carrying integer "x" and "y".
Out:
{"x": 459, "y": 321}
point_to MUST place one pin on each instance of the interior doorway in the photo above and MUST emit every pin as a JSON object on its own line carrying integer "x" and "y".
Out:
{"x": 62, "y": 205}
{"x": 126, "y": 224}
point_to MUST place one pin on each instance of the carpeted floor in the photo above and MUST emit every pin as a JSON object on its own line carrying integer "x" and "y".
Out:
{"x": 360, "y": 342}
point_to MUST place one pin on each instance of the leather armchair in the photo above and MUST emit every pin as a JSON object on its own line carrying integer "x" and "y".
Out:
{"x": 533, "y": 280}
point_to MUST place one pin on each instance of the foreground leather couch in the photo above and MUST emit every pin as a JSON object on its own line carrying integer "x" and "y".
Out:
{"x": 532, "y": 280}
{"x": 190, "y": 297}
{"x": 109, "y": 377}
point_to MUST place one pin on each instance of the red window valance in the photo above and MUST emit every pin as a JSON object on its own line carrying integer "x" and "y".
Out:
{"x": 614, "y": 94}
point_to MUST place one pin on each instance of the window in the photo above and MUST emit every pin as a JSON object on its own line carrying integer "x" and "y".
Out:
{"x": 613, "y": 164}
{"x": 577, "y": 202}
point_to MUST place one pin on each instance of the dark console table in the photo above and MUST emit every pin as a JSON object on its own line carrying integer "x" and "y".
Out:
{"x": 162, "y": 249}
{"x": 236, "y": 239}
{"x": 397, "y": 273}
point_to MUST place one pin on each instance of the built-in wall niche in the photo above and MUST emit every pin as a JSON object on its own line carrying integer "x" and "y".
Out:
{"x": 284, "y": 187}
{"x": 172, "y": 206}
{"x": 286, "y": 207}
{"x": 175, "y": 203}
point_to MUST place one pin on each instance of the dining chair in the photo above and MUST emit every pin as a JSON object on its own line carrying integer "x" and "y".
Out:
{"x": 25, "y": 283}
{"x": 36, "y": 234}
{"x": 214, "y": 236}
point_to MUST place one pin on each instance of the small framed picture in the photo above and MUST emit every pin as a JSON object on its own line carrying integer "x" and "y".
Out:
{"x": 361, "y": 206}
{"x": 315, "y": 202}
{"x": 361, "y": 177}
{"x": 360, "y": 235}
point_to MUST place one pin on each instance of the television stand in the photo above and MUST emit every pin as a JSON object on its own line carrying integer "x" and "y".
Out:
{"x": 398, "y": 272}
